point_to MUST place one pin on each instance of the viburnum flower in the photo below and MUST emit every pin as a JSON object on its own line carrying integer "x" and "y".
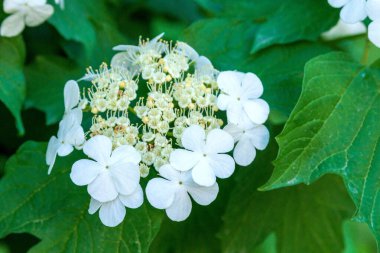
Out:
{"x": 342, "y": 30}
{"x": 172, "y": 192}
{"x": 353, "y": 11}
{"x": 373, "y": 10}
{"x": 112, "y": 213}
{"x": 248, "y": 139}
{"x": 24, "y": 13}
{"x": 240, "y": 97}
{"x": 110, "y": 173}
{"x": 204, "y": 155}
{"x": 70, "y": 135}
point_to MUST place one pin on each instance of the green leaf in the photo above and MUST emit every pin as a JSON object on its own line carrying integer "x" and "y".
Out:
{"x": 46, "y": 78}
{"x": 12, "y": 82}
{"x": 296, "y": 20}
{"x": 55, "y": 210}
{"x": 334, "y": 128}
{"x": 280, "y": 67}
{"x": 302, "y": 218}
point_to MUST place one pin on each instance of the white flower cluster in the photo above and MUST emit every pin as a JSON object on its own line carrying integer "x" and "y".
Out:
{"x": 25, "y": 13}
{"x": 355, "y": 11}
{"x": 159, "y": 106}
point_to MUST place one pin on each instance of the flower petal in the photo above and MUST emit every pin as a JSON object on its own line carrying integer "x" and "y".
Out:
{"x": 125, "y": 154}
{"x": 65, "y": 149}
{"x": 223, "y": 165}
{"x": 12, "y": 25}
{"x": 75, "y": 136}
{"x": 234, "y": 130}
{"x": 230, "y": 82}
{"x": 167, "y": 171}
{"x": 133, "y": 200}
{"x": 202, "y": 195}
{"x": 224, "y": 101}
{"x": 52, "y": 149}
{"x": 102, "y": 188}
{"x": 338, "y": 3}
{"x": 38, "y": 14}
{"x": 85, "y": 171}
{"x": 160, "y": 193}
{"x": 181, "y": 206}
{"x": 235, "y": 112}
{"x": 257, "y": 110}
{"x": 219, "y": 141}
{"x": 98, "y": 148}
{"x": 183, "y": 160}
{"x": 251, "y": 87}
{"x": 125, "y": 176}
{"x": 193, "y": 138}
{"x": 259, "y": 136}
{"x": 374, "y": 32}
{"x": 203, "y": 174}
{"x": 94, "y": 206}
{"x": 244, "y": 152}
{"x": 187, "y": 50}
{"x": 373, "y": 9}
{"x": 71, "y": 95}
{"x": 112, "y": 213}
{"x": 354, "y": 11}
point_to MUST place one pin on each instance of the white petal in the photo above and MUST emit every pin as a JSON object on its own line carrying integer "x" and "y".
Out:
{"x": 230, "y": 82}
{"x": 125, "y": 154}
{"x": 234, "y": 130}
{"x": 235, "y": 112}
{"x": 71, "y": 95}
{"x": 259, "y": 136}
{"x": 122, "y": 60}
{"x": 374, "y": 32}
{"x": 223, "y": 165}
{"x": 126, "y": 48}
{"x": 12, "y": 25}
{"x": 98, "y": 148}
{"x": 342, "y": 30}
{"x": 85, "y": 171}
{"x": 244, "y": 152}
{"x": 203, "y": 174}
{"x": 193, "y": 138}
{"x": 51, "y": 152}
{"x": 102, "y": 188}
{"x": 224, "y": 101}
{"x": 181, "y": 206}
{"x": 133, "y": 200}
{"x": 373, "y": 9}
{"x": 187, "y": 50}
{"x": 354, "y": 11}
{"x": 76, "y": 114}
{"x": 94, "y": 206}
{"x": 160, "y": 193}
{"x": 338, "y": 3}
{"x": 184, "y": 160}
{"x": 251, "y": 87}
{"x": 36, "y": 2}
{"x": 75, "y": 136}
{"x": 65, "y": 149}
{"x": 112, "y": 213}
{"x": 38, "y": 14}
{"x": 12, "y": 6}
{"x": 167, "y": 171}
{"x": 257, "y": 110}
{"x": 202, "y": 195}
{"x": 219, "y": 141}
{"x": 126, "y": 177}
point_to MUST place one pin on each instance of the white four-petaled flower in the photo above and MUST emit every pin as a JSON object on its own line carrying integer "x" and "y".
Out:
{"x": 24, "y": 13}
{"x": 110, "y": 173}
{"x": 172, "y": 192}
{"x": 240, "y": 97}
{"x": 204, "y": 155}
{"x": 248, "y": 138}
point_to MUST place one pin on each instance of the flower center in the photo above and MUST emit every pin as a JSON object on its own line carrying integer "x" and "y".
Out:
{"x": 180, "y": 183}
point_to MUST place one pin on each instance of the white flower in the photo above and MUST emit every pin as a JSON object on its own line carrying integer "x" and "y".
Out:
{"x": 70, "y": 135}
{"x": 342, "y": 30}
{"x": 112, "y": 172}
{"x": 248, "y": 138}
{"x": 24, "y": 12}
{"x": 112, "y": 213}
{"x": 373, "y": 9}
{"x": 240, "y": 97}
{"x": 204, "y": 155}
{"x": 172, "y": 192}
{"x": 374, "y": 32}
{"x": 71, "y": 100}
{"x": 353, "y": 11}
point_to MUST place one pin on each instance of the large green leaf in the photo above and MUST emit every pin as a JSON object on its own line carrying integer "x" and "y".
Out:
{"x": 279, "y": 67}
{"x": 46, "y": 78}
{"x": 303, "y": 218}
{"x": 55, "y": 210}
{"x": 334, "y": 128}
{"x": 12, "y": 81}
